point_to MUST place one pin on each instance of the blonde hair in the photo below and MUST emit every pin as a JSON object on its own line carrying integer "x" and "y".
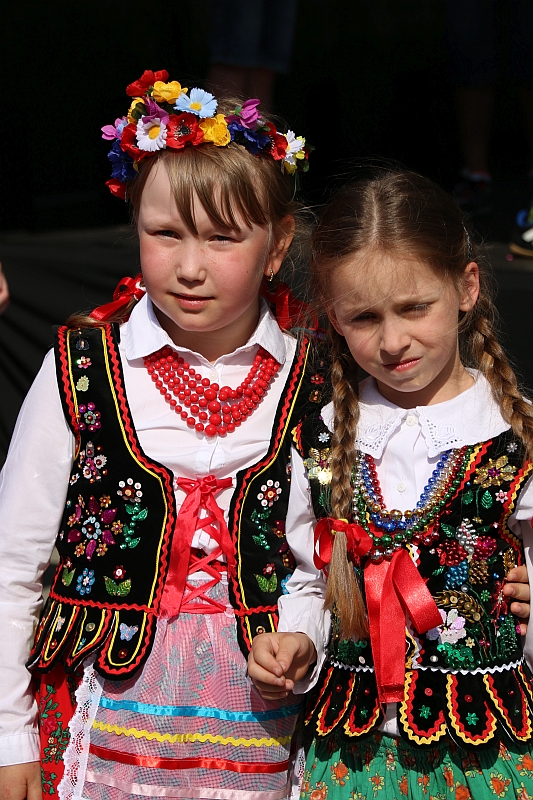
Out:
{"x": 400, "y": 212}
{"x": 230, "y": 183}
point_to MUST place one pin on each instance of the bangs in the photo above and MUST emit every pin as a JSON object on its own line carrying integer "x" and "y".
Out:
{"x": 232, "y": 190}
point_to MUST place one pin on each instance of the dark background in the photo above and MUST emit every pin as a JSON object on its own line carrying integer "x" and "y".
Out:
{"x": 369, "y": 78}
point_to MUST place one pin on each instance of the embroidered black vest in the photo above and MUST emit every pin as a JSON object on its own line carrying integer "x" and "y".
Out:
{"x": 466, "y": 679}
{"x": 119, "y": 519}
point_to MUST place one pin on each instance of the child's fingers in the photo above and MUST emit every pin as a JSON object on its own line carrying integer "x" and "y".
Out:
{"x": 263, "y": 673}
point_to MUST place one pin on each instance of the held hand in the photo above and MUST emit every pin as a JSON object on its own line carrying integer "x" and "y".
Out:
{"x": 21, "y": 782}
{"x": 518, "y": 588}
{"x": 277, "y": 660}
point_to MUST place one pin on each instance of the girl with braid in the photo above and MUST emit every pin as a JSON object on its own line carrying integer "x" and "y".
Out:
{"x": 419, "y": 477}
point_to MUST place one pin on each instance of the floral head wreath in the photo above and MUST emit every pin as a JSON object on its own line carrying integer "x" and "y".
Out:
{"x": 163, "y": 116}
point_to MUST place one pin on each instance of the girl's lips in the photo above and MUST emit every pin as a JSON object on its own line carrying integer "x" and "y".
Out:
{"x": 191, "y": 300}
{"x": 401, "y": 366}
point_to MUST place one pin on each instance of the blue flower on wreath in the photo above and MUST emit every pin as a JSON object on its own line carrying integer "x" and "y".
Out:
{"x": 200, "y": 103}
{"x": 254, "y": 141}
{"x": 85, "y": 581}
{"x": 122, "y": 163}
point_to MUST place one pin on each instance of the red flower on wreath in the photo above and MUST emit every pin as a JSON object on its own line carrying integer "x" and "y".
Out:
{"x": 147, "y": 79}
{"x": 128, "y": 143}
{"x": 279, "y": 142}
{"x": 117, "y": 188}
{"x": 183, "y": 128}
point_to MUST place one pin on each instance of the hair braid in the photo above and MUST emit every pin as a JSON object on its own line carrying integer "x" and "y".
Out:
{"x": 343, "y": 590}
{"x": 486, "y": 354}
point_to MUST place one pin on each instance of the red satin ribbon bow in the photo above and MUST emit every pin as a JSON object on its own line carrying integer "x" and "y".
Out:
{"x": 199, "y": 496}
{"x": 393, "y": 589}
{"x": 358, "y": 542}
{"x": 289, "y": 312}
{"x": 126, "y": 289}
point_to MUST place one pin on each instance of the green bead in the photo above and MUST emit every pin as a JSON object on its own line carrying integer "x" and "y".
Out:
{"x": 398, "y": 537}
{"x": 386, "y": 539}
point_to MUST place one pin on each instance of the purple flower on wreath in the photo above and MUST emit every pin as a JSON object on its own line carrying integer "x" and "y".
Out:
{"x": 254, "y": 141}
{"x": 247, "y": 115}
{"x": 111, "y": 132}
{"x": 121, "y": 163}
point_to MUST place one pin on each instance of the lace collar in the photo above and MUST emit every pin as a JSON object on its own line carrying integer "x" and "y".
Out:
{"x": 471, "y": 417}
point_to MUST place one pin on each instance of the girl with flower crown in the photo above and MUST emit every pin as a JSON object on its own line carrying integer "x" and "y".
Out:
{"x": 424, "y": 689}
{"x": 154, "y": 450}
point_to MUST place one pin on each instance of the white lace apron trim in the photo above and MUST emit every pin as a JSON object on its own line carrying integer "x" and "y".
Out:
{"x": 75, "y": 758}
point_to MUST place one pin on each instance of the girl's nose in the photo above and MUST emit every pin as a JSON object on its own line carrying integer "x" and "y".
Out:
{"x": 191, "y": 262}
{"x": 394, "y": 337}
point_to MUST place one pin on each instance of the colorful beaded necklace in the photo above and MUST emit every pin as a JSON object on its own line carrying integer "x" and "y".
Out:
{"x": 204, "y": 405}
{"x": 390, "y": 530}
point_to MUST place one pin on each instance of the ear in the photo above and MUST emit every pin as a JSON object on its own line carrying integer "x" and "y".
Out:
{"x": 334, "y": 321}
{"x": 469, "y": 290}
{"x": 282, "y": 242}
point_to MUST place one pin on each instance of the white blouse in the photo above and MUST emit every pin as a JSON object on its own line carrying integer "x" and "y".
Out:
{"x": 406, "y": 444}
{"x": 34, "y": 481}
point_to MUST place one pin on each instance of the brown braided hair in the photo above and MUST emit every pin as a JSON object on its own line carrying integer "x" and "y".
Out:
{"x": 399, "y": 212}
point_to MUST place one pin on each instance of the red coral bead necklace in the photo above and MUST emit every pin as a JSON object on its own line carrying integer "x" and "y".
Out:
{"x": 204, "y": 405}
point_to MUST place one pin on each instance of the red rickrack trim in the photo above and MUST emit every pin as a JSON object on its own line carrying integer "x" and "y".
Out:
{"x": 160, "y": 470}
{"x": 94, "y": 604}
{"x": 250, "y": 767}
{"x": 322, "y": 692}
{"x": 297, "y": 375}
{"x": 245, "y": 612}
{"x": 525, "y": 730}
{"x": 322, "y": 728}
{"x": 438, "y": 728}
{"x": 507, "y": 535}
{"x": 474, "y": 465}
{"x": 351, "y": 729}
{"x": 62, "y": 335}
{"x": 466, "y": 736}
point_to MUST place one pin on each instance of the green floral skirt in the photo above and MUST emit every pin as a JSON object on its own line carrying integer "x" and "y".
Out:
{"x": 385, "y": 768}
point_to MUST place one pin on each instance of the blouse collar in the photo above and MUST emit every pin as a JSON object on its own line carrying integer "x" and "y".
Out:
{"x": 471, "y": 417}
{"x": 142, "y": 334}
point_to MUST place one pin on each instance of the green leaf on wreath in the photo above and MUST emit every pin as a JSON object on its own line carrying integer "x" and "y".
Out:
{"x": 267, "y": 584}
{"x": 467, "y": 497}
{"x": 134, "y": 542}
{"x": 67, "y": 576}
{"x": 449, "y": 530}
{"x": 131, "y": 509}
{"x": 111, "y": 586}
{"x": 143, "y": 513}
{"x": 486, "y": 499}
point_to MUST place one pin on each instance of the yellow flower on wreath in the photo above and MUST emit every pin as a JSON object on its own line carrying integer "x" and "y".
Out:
{"x": 216, "y": 130}
{"x": 135, "y": 102}
{"x": 168, "y": 92}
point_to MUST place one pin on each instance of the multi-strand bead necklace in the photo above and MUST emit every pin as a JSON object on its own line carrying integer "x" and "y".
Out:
{"x": 390, "y": 530}
{"x": 204, "y": 405}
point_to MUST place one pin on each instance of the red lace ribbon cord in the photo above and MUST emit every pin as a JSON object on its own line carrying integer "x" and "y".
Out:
{"x": 179, "y": 595}
{"x": 202, "y": 404}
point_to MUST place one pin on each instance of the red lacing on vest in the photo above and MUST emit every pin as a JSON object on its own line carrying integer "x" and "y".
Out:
{"x": 207, "y": 563}
{"x": 184, "y": 562}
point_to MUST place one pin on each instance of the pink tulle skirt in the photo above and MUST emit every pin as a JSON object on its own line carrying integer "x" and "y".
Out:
{"x": 190, "y": 725}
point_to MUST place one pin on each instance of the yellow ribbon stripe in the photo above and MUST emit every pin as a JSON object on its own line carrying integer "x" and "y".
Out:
{"x": 181, "y": 738}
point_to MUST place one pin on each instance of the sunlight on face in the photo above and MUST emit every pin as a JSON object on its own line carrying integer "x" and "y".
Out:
{"x": 400, "y": 320}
